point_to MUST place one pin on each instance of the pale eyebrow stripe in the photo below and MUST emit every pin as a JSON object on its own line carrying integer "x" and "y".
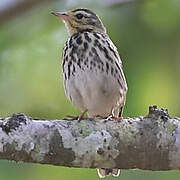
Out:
{"x": 86, "y": 15}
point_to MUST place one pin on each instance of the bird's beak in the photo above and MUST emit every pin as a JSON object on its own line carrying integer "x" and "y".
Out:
{"x": 61, "y": 15}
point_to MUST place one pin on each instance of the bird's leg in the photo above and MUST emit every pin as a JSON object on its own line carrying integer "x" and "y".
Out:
{"x": 120, "y": 111}
{"x": 105, "y": 118}
{"x": 119, "y": 117}
{"x": 108, "y": 118}
{"x": 112, "y": 116}
{"x": 82, "y": 115}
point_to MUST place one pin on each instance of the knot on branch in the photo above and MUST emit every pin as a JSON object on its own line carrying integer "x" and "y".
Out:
{"x": 12, "y": 123}
{"x": 158, "y": 113}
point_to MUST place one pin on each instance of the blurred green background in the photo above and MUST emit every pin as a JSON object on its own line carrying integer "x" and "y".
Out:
{"x": 147, "y": 35}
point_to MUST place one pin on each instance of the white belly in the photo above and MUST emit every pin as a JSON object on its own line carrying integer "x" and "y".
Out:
{"x": 95, "y": 92}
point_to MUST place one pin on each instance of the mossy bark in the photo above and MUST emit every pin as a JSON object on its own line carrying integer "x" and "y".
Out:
{"x": 151, "y": 142}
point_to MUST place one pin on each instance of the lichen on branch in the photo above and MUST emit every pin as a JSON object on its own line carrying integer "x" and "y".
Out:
{"x": 151, "y": 142}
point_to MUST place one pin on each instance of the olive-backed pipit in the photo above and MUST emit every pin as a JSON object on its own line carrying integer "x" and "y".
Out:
{"x": 92, "y": 69}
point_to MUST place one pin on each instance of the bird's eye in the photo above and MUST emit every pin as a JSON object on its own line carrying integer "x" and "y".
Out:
{"x": 79, "y": 16}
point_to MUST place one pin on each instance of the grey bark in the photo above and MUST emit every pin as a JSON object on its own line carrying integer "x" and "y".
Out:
{"x": 151, "y": 142}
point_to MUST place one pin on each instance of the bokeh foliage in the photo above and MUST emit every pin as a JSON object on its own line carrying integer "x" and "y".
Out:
{"x": 147, "y": 36}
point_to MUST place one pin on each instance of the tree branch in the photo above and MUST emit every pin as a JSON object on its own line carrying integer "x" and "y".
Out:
{"x": 151, "y": 142}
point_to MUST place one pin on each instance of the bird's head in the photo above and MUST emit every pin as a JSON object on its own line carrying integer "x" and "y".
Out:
{"x": 79, "y": 20}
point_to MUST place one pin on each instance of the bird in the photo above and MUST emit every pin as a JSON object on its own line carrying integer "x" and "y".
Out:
{"x": 92, "y": 69}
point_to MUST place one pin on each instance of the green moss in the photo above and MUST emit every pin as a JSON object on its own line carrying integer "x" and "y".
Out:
{"x": 37, "y": 149}
{"x": 14, "y": 144}
{"x": 84, "y": 129}
{"x": 171, "y": 127}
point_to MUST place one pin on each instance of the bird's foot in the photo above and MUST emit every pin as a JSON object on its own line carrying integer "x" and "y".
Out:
{"x": 109, "y": 118}
{"x": 106, "y": 119}
{"x": 82, "y": 116}
{"x": 119, "y": 119}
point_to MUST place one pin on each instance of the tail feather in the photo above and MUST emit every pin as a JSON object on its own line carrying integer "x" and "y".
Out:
{"x": 103, "y": 172}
